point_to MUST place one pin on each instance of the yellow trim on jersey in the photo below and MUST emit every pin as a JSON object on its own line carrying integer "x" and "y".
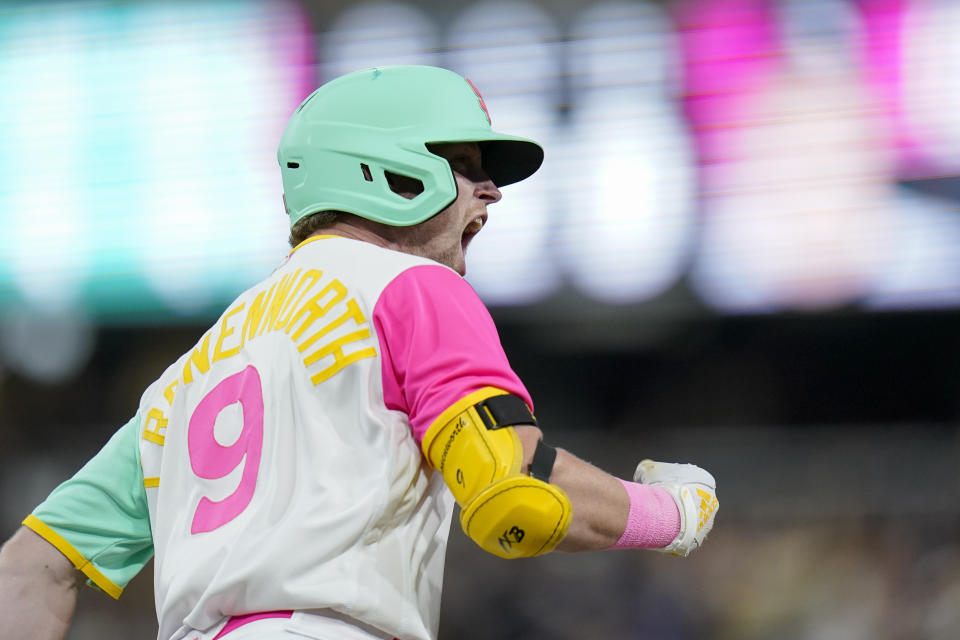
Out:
{"x": 313, "y": 239}
{"x": 149, "y": 483}
{"x": 67, "y": 549}
{"x": 453, "y": 411}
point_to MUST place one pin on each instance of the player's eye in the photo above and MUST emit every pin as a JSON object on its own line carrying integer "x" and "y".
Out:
{"x": 466, "y": 164}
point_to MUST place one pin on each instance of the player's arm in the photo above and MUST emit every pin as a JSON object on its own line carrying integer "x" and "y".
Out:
{"x": 520, "y": 497}
{"x": 599, "y": 501}
{"x": 38, "y": 588}
{"x": 444, "y": 367}
{"x": 671, "y": 509}
{"x": 98, "y": 519}
{"x": 94, "y": 526}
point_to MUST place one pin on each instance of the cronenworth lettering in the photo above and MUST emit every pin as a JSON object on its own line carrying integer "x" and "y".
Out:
{"x": 319, "y": 316}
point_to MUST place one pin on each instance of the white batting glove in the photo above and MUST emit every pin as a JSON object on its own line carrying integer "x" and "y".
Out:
{"x": 695, "y": 492}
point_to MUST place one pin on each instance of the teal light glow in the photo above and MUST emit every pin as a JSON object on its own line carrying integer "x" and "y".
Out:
{"x": 138, "y": 169}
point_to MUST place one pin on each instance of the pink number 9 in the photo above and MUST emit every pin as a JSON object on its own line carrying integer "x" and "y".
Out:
{"x": 211, "y": 460}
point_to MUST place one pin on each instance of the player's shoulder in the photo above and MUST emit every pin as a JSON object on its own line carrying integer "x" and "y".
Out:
{"x": 430, "y": 288}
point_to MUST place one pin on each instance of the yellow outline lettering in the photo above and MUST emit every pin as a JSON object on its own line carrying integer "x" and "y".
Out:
{"x": 279, "y": 298}
{"x": 353, "y": 311}
{"x": 200, "y": 357}
{"x": 168, "y": 392}
{"x": 340, "y": 360}
{"x": 254, "y": 314}
{"x": 154, "y": 435}
{"x": 314, "y": 309}
{"x": 218, "y": 352}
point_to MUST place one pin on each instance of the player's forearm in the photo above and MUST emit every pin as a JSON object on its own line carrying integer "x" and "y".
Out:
{"x": 600, "y": 503}
{"x": 38, "y": 589}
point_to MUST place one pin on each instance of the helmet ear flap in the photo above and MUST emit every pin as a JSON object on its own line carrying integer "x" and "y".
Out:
{"x": 407, "y": 186}
{"x": 400, "y": 184}
{"x": 404, "y": 185}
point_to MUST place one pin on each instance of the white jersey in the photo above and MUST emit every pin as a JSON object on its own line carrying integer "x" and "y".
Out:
{"x": 276, "y": 476}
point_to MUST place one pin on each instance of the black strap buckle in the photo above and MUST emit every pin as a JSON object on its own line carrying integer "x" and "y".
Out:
{"x": 504, "y": 411}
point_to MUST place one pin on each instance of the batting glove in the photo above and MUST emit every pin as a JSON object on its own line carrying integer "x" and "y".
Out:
{"x": 695, "y": 492}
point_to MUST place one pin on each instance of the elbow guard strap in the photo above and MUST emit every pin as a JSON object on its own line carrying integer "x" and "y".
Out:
{"x": 505, "y": 512}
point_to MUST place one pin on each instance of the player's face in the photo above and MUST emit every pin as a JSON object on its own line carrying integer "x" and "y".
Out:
{"x": 445, "y": 236}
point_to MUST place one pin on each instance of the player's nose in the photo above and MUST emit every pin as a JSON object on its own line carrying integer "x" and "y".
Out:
{"x": 485, "y": 190}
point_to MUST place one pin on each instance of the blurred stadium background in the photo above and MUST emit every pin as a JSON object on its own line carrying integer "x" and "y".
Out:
{"x": 743, "y": 250}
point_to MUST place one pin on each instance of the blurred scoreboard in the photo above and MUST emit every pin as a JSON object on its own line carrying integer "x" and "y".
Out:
{"x": 761, "y": 156}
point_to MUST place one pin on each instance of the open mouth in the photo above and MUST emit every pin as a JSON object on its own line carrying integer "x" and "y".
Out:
{"x": 472, "y": 229}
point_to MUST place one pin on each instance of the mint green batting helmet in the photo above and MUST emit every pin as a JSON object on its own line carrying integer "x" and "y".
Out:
{"x": 348, "y": 135}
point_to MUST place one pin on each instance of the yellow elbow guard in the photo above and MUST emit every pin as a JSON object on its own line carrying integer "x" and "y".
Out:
{"x": 507, "y": 513}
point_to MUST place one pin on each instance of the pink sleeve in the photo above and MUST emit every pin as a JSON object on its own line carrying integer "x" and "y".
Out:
{"x": 438, "y": 344}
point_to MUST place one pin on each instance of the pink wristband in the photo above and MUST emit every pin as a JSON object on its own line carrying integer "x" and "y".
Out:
{"x": 653, "y": 521}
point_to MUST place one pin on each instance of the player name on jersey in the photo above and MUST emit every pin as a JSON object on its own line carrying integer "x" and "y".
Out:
{"x": 294, "y": 305}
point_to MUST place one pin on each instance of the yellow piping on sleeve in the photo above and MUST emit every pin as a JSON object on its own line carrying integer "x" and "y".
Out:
{"x": 67, "y": 549}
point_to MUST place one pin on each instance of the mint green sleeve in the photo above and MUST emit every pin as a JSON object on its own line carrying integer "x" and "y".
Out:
{"x": 99, "y": 518}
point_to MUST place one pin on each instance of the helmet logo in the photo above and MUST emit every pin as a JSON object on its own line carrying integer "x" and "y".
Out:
{"x": 483, "y": 105}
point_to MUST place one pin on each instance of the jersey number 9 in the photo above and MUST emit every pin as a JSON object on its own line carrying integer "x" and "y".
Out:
{"x": 211, "y": 460}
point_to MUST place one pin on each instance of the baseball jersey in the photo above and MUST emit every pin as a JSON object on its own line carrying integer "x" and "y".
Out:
{"x": 276, "y": 465}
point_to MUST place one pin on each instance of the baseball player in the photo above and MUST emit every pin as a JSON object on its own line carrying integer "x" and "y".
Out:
{"x": 295, "y": 473}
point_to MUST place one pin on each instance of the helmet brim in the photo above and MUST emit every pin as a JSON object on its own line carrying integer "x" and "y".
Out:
{"x": 506, "y": 159}
{"x": 509, "y": 161}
